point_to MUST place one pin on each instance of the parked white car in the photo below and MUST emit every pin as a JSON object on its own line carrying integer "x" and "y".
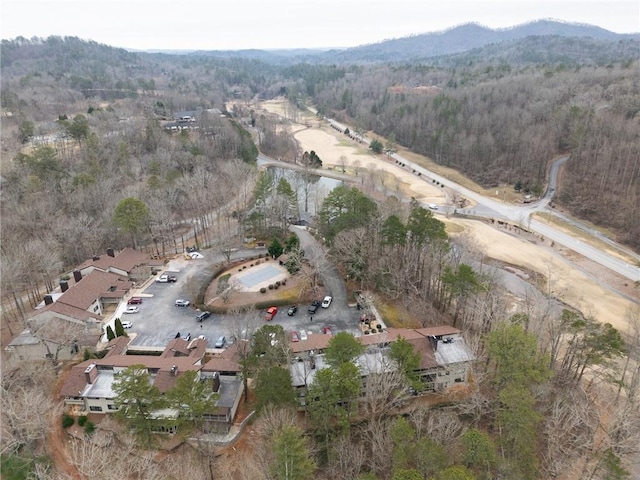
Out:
{"x": 163, "y": 279}
{"x": 181, "y": 302}
{"x": 132, "y": 309}
{"x": 327, "y": 301}
{"x": 127, "y": 324}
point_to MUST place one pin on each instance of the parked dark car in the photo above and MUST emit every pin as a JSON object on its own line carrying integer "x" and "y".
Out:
{"x": 292, "y": 310}
{"x": 172, "y": 278}
{"x": 135, "y": 301}
{"x": 313, "y": 308}
{"x": 203, "y": 316}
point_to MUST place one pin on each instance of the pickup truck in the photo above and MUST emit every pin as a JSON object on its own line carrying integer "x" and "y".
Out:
{"x": 166, "y": 278}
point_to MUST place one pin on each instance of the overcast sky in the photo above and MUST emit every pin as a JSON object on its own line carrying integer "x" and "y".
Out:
{"x": 239, "y": 24}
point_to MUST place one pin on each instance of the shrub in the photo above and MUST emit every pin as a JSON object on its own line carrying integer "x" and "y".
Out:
{"x": 257, "y": 262}
{"x": 67, "y": 421}
{"x": 284, "y": 281}
{"x": 263, "y": 290}
{"x": 278, "y": 283}
{"x": 251, "y": 265}
{"x": 89, "y": 428}
{"x": 82, "y": 420}
{"x": 271, "y": 286}
{"x": 244, "y": 266}
{"x": 276, "y": 286}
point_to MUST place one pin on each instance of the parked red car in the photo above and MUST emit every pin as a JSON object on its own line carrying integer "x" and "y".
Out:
{"x": 271, "y": 312}
{"x": 294, "y": 337}
{"x": 135, "y": 301}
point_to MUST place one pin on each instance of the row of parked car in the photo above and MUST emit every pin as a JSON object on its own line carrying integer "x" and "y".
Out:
{"x": 326, "y": 330}
{"x": 313, "y": 308}
{"x": 293, "y": 309}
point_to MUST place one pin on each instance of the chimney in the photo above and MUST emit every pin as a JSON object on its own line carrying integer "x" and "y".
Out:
{"x": 48, "y": 299}
{"x": 110, "y": 252}
{"x": 77, "y": 275}
{"x": 64, "y": 285}
{"x": 174, "y": 370}
{"x": 216, "y": 382}
{"x": 91, "y": 373}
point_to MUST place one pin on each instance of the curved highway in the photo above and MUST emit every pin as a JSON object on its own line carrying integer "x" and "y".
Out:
{"x": 520, "y": 215}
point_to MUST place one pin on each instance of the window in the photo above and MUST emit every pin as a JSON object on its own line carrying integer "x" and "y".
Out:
{"x": 111, "y": 406}
{"x": 94, "y": 408}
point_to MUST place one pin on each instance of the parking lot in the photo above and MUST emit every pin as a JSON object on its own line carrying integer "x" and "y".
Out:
{"x": 159, "y": 320}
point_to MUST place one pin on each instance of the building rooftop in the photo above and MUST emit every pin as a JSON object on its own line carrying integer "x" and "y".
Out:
{"x": 125, "y": 260}
{"x": 93, "y": 286}
{"x": 229, "y": 389}
{"x": 438, "y": 347}
{"x": 162, "y": 366}
{"x": 453, "y": 351}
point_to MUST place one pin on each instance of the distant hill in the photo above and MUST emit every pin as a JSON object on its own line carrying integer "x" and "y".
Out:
{"x": 546, "y": 50}
{"x": 456, "y": 40}
{"x": 465, "y": 38}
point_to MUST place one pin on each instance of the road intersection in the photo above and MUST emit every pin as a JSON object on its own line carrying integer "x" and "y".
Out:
{"x": 521, "y": 215}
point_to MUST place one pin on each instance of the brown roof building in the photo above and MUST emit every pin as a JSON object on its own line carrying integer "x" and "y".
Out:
{"x": 89, "y": 386}
{"x": 84, "y": 299}
{"x": 123, "y": 263}
{"x": 444, "y": 356}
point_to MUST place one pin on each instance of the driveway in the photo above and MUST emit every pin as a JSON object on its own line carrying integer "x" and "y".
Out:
{"x": 339, "y": 313}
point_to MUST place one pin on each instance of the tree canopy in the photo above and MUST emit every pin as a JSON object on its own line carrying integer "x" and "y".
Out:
{"x": 192, "y": 398}
{"x": 345, "y": 208}
{"x": 137, "y": 400}
{"x": 132, "y": 216}
{"x": 343, "y": 347}
{"x": 273, "y": 387}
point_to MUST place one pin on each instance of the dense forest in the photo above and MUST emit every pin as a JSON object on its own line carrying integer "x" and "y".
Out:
{"x": 502, "y": 125}
{"x": 84, "y": 139}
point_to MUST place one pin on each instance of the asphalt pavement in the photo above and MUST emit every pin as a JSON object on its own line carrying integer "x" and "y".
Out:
{"x": 159, "y": 320}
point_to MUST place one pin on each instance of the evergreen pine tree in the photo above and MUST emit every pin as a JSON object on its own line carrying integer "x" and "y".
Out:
{"x": 120, "y": 329}
{"x": 110, "y": 334}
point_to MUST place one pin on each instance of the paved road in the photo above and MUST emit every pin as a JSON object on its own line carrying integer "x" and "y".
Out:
{"x": 521, "y": 214}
